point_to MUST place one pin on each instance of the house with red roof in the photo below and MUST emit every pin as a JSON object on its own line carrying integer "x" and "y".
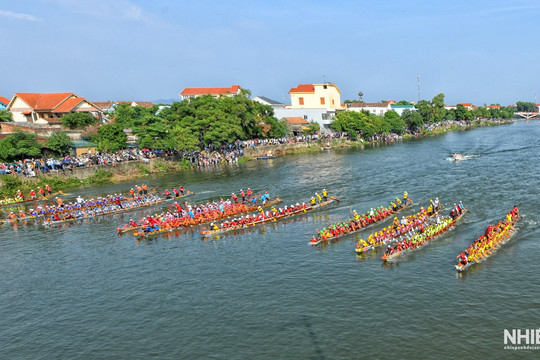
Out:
{"x": 215, "y": 92}
{"x": 295, "y": 124}
{"x": 315, "y": 96}
{"x": 3, "y": 103}
{"x": 48, "y": 108}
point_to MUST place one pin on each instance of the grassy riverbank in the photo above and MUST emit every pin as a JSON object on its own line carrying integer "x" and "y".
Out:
{"x": 10, "y": 183}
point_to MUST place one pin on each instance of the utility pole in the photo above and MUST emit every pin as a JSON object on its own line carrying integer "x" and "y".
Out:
{"x": 418, "y": 79}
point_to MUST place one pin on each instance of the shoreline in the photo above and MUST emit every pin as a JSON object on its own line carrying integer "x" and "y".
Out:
{"x": 103, "y": 174}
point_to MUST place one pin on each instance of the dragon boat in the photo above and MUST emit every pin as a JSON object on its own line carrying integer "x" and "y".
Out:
{"x": 486, "y": 245}
{"x": 358, "y": 223}
{"x": 420, "y": 239}
{"x": 272, "y": 218}
{"x": 394, "y": 233}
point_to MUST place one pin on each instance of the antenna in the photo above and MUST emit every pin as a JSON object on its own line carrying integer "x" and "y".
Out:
{"x": 324, "y": 79}
{"x": 418, "y": 79}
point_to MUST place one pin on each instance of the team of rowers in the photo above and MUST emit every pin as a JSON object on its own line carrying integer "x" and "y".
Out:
{"x": 490, "y": 241}
{"x": 424, "y": 233}
{"x": 406, "y": 226}
{"x": 87, "y": 208}
{"x": 273, "y": 214}
{"x": 33, "y": 195}
{"x": 357, "y": 222}
{"x": 191, "y": 215}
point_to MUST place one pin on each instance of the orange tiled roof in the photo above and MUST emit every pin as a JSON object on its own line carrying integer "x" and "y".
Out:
{"x": 493, "y": 107}
{"x": 303, "y": 88}
{"x": 3, "y": 100}
{"x": 68, "y": 105}
{"x": 43, "y": 101}
{"x": 210, "y": 91}
{"x": 466, "y": 104}
{"x": 146, "y": 104}
{"x": 296, "y": 120}
{"x": 103, "y": 104}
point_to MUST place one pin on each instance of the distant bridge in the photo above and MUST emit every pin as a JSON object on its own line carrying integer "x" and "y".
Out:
{"x": 528, "y": 115}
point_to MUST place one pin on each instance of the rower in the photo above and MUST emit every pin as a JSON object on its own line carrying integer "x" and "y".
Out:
{"x": 405, "y": 196}
{"x": 313, "y": 201}
{"x": 32, "y": 194}
{"x": 49, "y": 190}
{"x": 325, "y": 195}
{"x": 318, "y": 197}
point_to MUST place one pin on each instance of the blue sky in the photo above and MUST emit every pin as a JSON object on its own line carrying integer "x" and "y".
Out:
{"x": 472, "y": 51}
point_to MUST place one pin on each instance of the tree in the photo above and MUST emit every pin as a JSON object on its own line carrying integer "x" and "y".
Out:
{"x": 461, "y": 112}
{"x": 59, "y": 142}
{"x": 437, "y": 104}
{"x": 184, "y": 139}
{"x": 18, "y": 146}
{"x": 393, "y": 123}
{"x": 5, "y": 116}
{"x": 78, "y": 120}
{"x": 525, "y": 106}
{"x": 110, "y": 138}
{"x": 403, "y": 102}
{"x": 413, "y": 119}
{"x": 313, "y": 128}
{"x": 425, "y": 110}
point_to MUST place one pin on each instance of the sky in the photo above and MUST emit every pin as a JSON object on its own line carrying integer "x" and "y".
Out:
{"x": 482, "y": 52}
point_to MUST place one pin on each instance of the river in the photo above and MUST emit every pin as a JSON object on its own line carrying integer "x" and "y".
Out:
{"x": 83, "y": 292}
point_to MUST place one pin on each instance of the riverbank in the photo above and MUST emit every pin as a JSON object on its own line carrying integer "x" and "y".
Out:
{"x": 95, "y": 175}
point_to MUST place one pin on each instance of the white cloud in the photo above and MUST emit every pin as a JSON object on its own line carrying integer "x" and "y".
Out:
{"x": 19, "y": 16}
{"x": 111, "y": 9}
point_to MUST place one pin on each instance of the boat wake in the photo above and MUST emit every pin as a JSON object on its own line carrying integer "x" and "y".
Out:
{"x": 464, "y": 158}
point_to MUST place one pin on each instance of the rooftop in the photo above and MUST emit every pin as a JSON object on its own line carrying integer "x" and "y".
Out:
{"x": 211, "y": 91}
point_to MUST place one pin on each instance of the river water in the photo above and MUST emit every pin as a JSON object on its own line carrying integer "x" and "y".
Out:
{"x": 83, "y": 292}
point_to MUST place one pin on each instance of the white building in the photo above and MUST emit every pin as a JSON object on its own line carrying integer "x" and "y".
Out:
{"x": 267, "y": 101}
{"x": 373, "y": 108}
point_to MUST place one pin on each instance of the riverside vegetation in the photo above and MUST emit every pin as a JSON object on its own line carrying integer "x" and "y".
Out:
{"x": 205, "y": 123}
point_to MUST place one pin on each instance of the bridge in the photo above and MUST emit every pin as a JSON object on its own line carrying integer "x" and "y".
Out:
{"x": 528, "y": 115}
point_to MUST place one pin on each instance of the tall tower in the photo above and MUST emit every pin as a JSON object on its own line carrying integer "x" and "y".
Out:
{"x": 418, "y": 80}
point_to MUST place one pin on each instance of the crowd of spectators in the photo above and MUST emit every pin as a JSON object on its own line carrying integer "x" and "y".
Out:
{"x": 210, "y": 155}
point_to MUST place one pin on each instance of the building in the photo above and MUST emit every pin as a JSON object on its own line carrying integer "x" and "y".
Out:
{"x": 295, "y": 124}
{"x": 266, "y": 101}
{"x": 144, "y": 104}
{"x": 372, "y": 108}
{"x": 315, "y": 96}
{"x": 493, "y": 107}
{"x": 40, "y": 108}
{"x": 401, "y": 108}
{"x": 190, "y": 93}
{"x": 83, "y": 147}
{"x": 450, "y": 107}
{"x": 105, "y": 106}
{"x": 323, "y": 117}
{"x": 468, "y": 106}
{"x": 3, "y": 103}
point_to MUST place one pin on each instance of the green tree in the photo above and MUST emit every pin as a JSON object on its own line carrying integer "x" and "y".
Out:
{"x": 312, "y": 128}
{"x": 461, "y": 112}
{"x": 277, "y": 128}
{"x": 437, "y": 104}
{"x": 18, "y": 146}
{"x": 393, "y": 123}
{"x": 525, "y": 106}
{"x": 425, "y": 110}
{"x": 403, "y": 102}
{"x": 184, "y": 139}
{"x": 78, "y": 120}
{"x": 110, "y": 138}
{"x": 413, "y": 120}
{"x": 5, "y": 116}
{"x": 59, "y": 142}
